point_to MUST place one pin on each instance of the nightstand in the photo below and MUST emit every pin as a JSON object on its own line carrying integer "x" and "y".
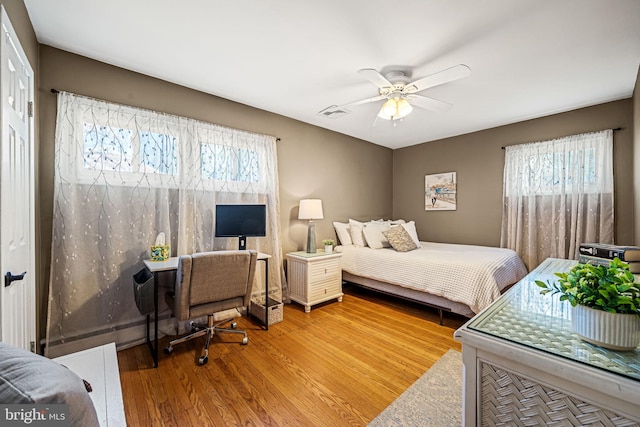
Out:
{"x": 314, "y": 278}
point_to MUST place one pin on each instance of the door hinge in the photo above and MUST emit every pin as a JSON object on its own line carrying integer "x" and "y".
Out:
{"x": 33, "y": 346}
{"x": 30, "y": 108}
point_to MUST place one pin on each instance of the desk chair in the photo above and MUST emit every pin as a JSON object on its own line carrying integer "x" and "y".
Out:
{"x": 208, "y": 283}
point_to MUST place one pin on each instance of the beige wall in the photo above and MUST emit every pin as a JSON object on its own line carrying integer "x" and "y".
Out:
{"x": 22, "y": 25}
{"x": 352, "y": 177}
{"x": 479, "y": 160}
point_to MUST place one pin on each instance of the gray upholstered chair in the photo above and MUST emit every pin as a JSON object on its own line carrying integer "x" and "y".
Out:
{"x": 208, "y": 283}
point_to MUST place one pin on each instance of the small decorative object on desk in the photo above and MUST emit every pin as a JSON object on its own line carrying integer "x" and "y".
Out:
{"x": 328, "y": 245}
{"x": 605, "y": 300}
{"x": 160, "y": 251}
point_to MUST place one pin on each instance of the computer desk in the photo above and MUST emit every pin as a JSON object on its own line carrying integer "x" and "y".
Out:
{"x": 171, "y": 264}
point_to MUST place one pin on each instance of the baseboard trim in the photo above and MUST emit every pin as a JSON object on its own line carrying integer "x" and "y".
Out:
{"x": 125, "y": 336}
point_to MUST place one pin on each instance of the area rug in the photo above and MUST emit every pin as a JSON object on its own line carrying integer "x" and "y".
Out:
{"x": 435, "y": 399}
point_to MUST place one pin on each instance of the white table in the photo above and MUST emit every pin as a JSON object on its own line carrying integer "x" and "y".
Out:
{"x": 523, "y": 365}
{"x": 99, "y": 366}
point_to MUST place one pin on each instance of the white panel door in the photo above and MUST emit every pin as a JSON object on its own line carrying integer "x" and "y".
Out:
{"x": 17, "y": 252}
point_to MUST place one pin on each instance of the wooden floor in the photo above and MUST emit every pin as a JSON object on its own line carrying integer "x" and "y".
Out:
{"x": 339, "y": 365}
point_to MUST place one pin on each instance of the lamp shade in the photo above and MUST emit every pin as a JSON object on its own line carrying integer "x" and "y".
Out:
{"x": 310, "y": 209}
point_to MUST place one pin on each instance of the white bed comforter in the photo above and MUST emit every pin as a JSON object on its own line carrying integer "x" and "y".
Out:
{"x": 472, "y": 275}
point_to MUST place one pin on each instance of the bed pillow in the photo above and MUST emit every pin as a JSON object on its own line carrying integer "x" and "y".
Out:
{"x": 343, "y": 232}
{"x": 28, "y": 378}
{"x": 411, "y": 229}
{"x": 373, "y": 234}
{"x": 400, "y": 239}
{"x": 357, "y": 236}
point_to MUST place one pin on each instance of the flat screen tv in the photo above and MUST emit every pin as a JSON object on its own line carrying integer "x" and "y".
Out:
{"x": 241, "y": 221}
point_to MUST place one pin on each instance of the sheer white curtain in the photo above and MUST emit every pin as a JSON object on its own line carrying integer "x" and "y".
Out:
{"x": 123, "y": 175}
{"x": 556, "y": 195}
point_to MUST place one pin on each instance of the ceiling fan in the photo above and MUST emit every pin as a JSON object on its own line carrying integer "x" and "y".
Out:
{"x": 400, "y": 94}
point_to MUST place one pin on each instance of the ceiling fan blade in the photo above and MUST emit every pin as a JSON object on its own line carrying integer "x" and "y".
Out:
{"x": 445, "y": 76}
{"x": 365, "y": 101}
{"x": 375, "y": 77}
{"x": 336, "y": 111}
{"x": 428, "y": 103}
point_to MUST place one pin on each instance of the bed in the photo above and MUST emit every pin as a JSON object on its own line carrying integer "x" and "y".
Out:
{"x": 462, "y": 279}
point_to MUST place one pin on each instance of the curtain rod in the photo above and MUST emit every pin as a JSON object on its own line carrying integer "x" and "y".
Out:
{"x": 54, "y": 90}
{"x": 614, "y": 129}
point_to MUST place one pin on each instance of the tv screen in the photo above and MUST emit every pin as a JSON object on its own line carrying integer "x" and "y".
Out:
{"x": 241, "y": 220}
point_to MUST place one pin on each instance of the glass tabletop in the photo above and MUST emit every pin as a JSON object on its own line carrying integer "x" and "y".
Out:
{"x": 543, "y": 322}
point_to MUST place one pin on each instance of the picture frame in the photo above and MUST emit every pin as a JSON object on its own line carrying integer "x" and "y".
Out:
{"x": 440, "y": 191}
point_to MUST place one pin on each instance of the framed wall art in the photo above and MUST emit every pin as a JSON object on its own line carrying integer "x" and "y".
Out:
{"x": 440, "y": 192}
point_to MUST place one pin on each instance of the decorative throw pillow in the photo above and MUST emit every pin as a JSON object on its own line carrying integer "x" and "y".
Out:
{"x": 357, "y": 236}
{"x": 400, "y": 239}
{"x": 373, "y": 234}
{"x": 411, "y": 229}
{"x": 343, "y": 232}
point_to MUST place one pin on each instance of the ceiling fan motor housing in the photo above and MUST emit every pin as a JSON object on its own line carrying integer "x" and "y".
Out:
{"x": 399, "y": 80}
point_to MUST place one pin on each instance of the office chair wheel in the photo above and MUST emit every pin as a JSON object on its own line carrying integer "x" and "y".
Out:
{"x": 245, "y": 341}
{"x": 234, "y": 325}
{"x": 168, "y": 349}
{"x": 203, "y": 360}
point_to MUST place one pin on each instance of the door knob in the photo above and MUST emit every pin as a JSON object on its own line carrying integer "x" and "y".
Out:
{"x": 8, "y": 278}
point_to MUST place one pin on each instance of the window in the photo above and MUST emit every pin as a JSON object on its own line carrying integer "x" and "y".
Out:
{"x": 223, "y": 163}
{"x": 107, "y": 149}
{"x": 158, "y": 153}
{"x": 112, "y": 149}
{"x": 551, "y": 172}
{"x": 558, "y": 194}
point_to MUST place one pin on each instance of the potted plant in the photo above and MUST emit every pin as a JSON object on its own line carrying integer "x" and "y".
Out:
{"x": 605, "y": 301}
{"x": 328, "y": 245}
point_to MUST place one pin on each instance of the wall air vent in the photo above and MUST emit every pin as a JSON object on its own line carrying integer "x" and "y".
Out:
{"x": 334, "y": 112}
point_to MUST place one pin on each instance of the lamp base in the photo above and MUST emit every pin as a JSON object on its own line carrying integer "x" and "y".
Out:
{"x": 311, "y": 238}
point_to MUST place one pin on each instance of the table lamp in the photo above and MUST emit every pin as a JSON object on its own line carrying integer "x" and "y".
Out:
{"x": 311, "y": 209}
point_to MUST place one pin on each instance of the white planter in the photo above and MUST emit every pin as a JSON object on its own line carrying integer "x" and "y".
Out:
{"x": 609, "y": 330}
{"x": 328, "y": 249}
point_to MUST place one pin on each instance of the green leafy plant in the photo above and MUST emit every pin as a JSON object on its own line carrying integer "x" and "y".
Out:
{"x": 327, "y": 242}
{"x": 599, "y": 287}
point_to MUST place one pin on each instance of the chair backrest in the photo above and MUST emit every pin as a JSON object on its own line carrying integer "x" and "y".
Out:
{"x": 209, "y": 277}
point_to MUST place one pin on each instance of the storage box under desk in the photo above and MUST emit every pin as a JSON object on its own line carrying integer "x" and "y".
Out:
{"x": 276, "y": 310}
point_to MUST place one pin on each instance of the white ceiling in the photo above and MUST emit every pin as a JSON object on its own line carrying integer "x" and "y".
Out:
{"x": 528, "y": 58}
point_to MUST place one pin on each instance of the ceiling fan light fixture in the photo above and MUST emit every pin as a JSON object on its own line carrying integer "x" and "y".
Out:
{"x": 404, "y": 108}
{"x": 395, "y": 108}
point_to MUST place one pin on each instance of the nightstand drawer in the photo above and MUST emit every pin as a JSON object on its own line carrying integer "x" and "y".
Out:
{"x": 325, "y": 289}
{"x": 323, "y": 270}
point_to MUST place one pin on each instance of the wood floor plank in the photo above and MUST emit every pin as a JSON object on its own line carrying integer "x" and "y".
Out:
{"x": 340, "y": 365}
